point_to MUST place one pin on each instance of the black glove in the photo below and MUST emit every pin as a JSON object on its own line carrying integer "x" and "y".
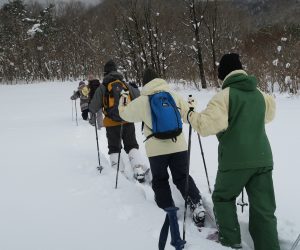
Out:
{"x": 75, "y": 95}
{"x": 133, "y": 84}
{"x": 85, "y": 114}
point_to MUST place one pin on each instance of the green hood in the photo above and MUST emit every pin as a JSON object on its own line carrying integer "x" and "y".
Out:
{"x": 241, "y": 81}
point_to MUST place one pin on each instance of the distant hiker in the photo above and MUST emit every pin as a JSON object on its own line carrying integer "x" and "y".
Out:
{"x": 82, "y": 93}
{"x": 106, "y": 98}
{"x": 163, "y": 153}
{"x": 93, "y": 84}
{"x": 237, "y": 115}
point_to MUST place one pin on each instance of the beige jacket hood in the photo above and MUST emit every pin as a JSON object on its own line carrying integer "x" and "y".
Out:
{"x": 155, "y": 86}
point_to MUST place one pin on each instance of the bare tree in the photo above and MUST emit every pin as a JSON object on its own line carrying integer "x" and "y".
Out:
{"x": 196, "y": 11}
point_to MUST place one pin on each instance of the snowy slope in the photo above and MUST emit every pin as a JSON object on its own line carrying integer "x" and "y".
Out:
{"x": 53, "y": 198}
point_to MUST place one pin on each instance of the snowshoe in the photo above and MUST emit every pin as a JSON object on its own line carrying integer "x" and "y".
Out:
{"x": 215, "y": 237}
{"x": 139, "y": 173}
{"x": 142, "y": 176}
{"x": 198, "y": 213}
{"x": 100, "y": 168}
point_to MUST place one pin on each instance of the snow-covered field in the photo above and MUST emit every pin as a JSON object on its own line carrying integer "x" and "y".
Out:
{"x": 53, "y": 198}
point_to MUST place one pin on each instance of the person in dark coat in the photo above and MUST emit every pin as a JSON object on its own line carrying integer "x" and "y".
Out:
{"x": 93, "y": 84}
{"x": 113, "y": 126}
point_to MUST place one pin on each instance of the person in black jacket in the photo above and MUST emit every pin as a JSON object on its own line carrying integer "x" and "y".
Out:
{"x": 113, "y": 124}
{"x": 93, "y": 84}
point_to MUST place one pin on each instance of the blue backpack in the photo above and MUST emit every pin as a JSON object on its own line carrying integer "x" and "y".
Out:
{"x": 166, "y": 119}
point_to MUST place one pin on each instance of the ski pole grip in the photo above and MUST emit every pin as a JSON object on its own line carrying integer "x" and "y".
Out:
{"x": 191, "y": 109}
{"x": 190, "y": 100}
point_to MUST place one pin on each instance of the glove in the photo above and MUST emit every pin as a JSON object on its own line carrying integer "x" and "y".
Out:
{"x": 124, "y": 97}
{"x": 133, "y": 84}
{"x": 74, "y": 96}
{"x": 192, "y": 102}
{"x": 85, "y": 114}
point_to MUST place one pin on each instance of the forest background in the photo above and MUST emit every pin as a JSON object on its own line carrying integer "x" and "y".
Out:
{"x": 181, "y": 39}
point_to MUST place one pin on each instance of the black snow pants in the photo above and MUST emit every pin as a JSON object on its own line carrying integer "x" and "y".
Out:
{"x": 178, "y": 163}
{"x": 128, "y": 138}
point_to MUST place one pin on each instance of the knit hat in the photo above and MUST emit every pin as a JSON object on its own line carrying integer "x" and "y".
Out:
{"x": 149, "y": 75}
{"x": 81, "y": 83}
{"x": 228, "y": 63}
{"x": 109, "y": 67}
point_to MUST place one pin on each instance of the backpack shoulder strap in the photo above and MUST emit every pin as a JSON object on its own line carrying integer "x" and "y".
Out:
{"x": 109, "y": 85}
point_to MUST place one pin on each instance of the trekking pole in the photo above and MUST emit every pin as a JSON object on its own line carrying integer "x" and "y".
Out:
{"x": 96, "y": 131}
{"x": 296, "y": 243}
{"x": 119, "y": 156}
{"x": 187, "y": 174}
{"x": 205, "y": 168}
{"x": 76, "y": 113}
{"x": 72, "y": 111}
{"x": 242, "y": 203}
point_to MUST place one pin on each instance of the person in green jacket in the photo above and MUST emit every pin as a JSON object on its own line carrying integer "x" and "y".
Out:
{"x": 237, "y": 115}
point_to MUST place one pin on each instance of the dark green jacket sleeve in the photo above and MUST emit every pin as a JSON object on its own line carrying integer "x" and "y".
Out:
{"x": 97, "y": 101}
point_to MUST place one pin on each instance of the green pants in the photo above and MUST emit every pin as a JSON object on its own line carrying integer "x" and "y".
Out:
{"x": 262, "y": 221}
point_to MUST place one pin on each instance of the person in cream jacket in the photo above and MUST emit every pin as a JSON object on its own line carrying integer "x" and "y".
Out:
{"x": 164, "y": 154}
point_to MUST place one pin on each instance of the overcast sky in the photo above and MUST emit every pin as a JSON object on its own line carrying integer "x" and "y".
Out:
{"x": 50, "y": 1}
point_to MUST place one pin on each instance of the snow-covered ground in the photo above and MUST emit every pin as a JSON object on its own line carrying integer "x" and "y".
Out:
{"x": 53, "y": 198}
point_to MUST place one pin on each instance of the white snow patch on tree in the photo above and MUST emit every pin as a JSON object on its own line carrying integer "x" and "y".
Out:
{"x": 287, "y": 80}
{"x": 29, "y": 20}
{"x": 194, "y": 48}
{"x": 129, "y": 62}
{"x": 283, "y": 39}
{"x": 275, "y": 62}
{"x": 35, "y": 29}
{"x": 279, "y": 48}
